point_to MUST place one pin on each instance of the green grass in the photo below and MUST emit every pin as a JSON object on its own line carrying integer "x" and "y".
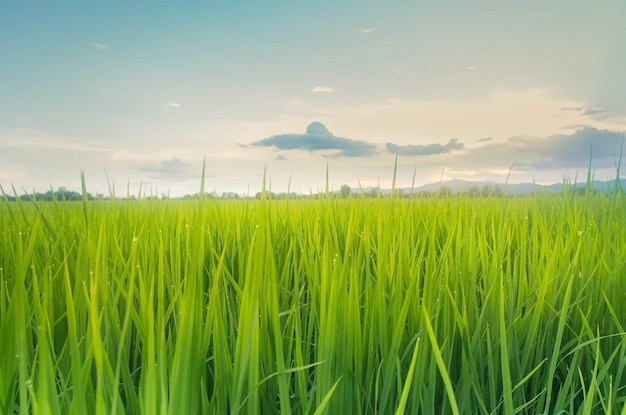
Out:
{"x": 449, "y": 306}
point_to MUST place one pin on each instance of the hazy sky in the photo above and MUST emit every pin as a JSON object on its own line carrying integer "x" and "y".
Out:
{"x": 141, "y": 92}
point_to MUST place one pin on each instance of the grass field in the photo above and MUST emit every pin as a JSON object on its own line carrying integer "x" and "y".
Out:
{"x": 340, "y": 306}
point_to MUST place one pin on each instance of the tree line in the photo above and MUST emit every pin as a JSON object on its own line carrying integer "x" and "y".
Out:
{"x": 344, "y": 192}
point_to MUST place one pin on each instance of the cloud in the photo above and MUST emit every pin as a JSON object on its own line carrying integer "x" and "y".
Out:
{"x": 297, "y": 102}
{"x": 574, "y": 127}
{"x": 569, "y": 150}
{"x": 539, "y": 154}
{"x": 31, "y": 139}
{"x": 367, "y": 30}
{"x": 499, "y": 114}
{"x": 470, "y": 68}
{"x": 323, "y": 89}
{"x": 485, "y": 139}
{"x": 172, "y": 105}
{"x": 572, "y": 108}
{"x": 168, "y": 169}
{"x": 318, "y": 138}
{"x": 280, "y": 157}
{"x": 594, "y": 111}
{"x": 36, "y": 159}
{"x": 543, "y": 158}
{"x": 100, "y": 46}
{"x": 425, "y": 150}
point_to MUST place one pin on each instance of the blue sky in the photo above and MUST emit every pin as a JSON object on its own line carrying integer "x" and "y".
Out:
{"x": 143, "y": 92}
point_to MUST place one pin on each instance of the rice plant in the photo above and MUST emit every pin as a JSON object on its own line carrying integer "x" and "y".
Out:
{"x": 457, "y": 305}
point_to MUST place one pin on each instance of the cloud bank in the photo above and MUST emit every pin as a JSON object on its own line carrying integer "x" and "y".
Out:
{"x": 538, "y": 155}
{"x": 318, "y": 138}
{"x": 573, "y": 150}
{"x": 425, "y": 150}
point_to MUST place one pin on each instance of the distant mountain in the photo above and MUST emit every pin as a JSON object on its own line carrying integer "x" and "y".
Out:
{"x": 457, "y": 186}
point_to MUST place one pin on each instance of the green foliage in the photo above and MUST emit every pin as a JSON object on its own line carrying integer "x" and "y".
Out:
{"x": 387, "y": 305}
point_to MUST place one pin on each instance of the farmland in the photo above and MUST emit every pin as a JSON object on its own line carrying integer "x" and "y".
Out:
{"x": 452, "y": 305}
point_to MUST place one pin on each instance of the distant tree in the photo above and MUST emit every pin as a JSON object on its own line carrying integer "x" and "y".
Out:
{"x": 473, "y": 191}
{"x": 229, "y": 196}
{"x": 497, "y": 191}
{"x": 63, "y": 194}
{"x": 444, "y": 191}
{"x": 346, "y": 191}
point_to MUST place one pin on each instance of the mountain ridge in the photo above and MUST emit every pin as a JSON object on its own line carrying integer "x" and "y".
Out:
{"x": 459, "y": 185}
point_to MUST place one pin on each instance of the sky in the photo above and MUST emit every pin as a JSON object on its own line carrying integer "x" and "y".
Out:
{"x": 141, "y": 94}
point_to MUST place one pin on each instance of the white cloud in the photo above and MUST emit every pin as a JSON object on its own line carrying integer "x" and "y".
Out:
{"x": 394, "y": 101}
{"x": 297, "y": 102}
{"x": 172, "y": 105}
{"x": 100, "y": 46}
{"x": 28, "y": 139}
{"x": 323, "y": 89}
{"x": 367, "y": 30}
{"x": 470, "y": 68}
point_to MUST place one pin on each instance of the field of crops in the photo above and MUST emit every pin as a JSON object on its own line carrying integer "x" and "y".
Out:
{"x": 340, "y": 306}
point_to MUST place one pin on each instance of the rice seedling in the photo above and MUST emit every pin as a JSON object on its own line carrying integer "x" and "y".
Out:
{"x": 441, "y": 305}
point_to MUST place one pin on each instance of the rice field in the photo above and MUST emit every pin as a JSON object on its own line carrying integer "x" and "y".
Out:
{"x": 335, "y": 306}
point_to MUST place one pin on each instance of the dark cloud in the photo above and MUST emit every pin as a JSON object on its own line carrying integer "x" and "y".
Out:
{"x": 317, "y": 138}
{"x": 572, "y": 108}
{"x": 537, "y": 156}
{"x": 280, "y": 157}
{"x": 425, "y": 150}
{"x": 485, "y": 139}
{"x": 168, "y": 169}
{"x": 574, "y": 150}
{"x": 553, "y": 152}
